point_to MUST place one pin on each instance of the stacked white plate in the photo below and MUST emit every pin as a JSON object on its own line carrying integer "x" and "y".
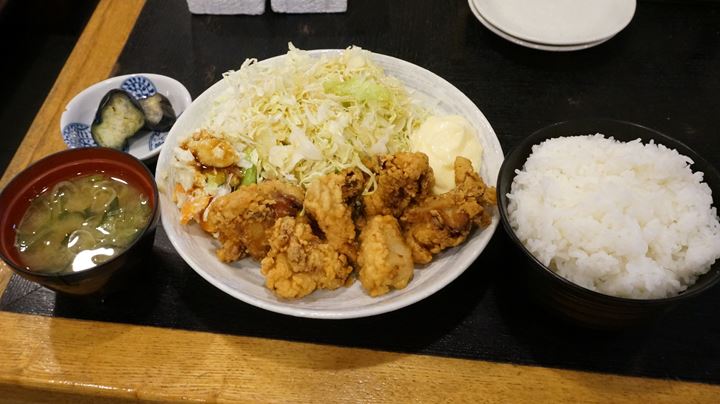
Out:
{"x": 554, "y": 25}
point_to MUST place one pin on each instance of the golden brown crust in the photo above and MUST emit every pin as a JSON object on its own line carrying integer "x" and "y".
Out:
{"x": 385, "y": 260}
{"x": 329, "y": 201}
{"x": 299, "y": 262}
{"x": 261, "y": 221}
{"x": 402, "y": 179}
{"x": 445, "y": 221}
{"x": 242, "y": 220}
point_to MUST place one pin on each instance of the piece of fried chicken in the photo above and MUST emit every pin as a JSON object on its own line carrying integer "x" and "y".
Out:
{"x": 443, "y": 221}
{"x": 329, "y": 201}
{"x": 402, "y": 179}
{"x": 385, "y": 260}
{"x": 299, "y": 262}
{"x": 242, "y": 220}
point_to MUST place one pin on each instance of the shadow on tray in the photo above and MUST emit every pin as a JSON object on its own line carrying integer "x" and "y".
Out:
{"x": 484, "y": 314}
{"x": 170, "y": 294}
{"x": 676, "y": 343}
{"x": 411, "y": 329}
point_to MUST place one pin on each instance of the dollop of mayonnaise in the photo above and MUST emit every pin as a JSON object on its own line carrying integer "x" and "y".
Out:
{"x": 443, "y": 138}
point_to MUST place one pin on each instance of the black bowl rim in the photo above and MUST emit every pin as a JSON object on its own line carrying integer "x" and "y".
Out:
{"x": 75, "y": 276}
{"x": 536, "y": 138}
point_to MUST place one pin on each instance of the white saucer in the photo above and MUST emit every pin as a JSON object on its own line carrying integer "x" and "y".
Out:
{"x": 527, "y": 44}
{"x": 558, "y": 22}
{"x": 76, "y": 120}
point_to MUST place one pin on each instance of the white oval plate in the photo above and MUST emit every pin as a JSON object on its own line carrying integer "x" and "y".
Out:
{"x": 558, "y": 22}
{"x": 243, "y": 279}
{"x": 80, "y": 111}
{"x": 532, "y": 45}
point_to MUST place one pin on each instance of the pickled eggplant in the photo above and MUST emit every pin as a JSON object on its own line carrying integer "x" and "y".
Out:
{"x": 159, "y": 113}
{"x": 118, "y": 118}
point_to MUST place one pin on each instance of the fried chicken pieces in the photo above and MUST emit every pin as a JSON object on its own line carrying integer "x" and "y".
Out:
{"x": 299, "y": 262}
{"x": 242, "y": 220}
{"x": 380, "y": 235}
{"x": 329, "y": 201}
{"x": 385, "y": 260}
{"x": 443, "y": 221}
{"x": 402, "y": 179}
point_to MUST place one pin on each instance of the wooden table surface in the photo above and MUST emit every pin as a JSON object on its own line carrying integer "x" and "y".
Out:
{"x": 60, "y": 360}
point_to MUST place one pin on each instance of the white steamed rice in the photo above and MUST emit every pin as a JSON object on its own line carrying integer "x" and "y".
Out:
{"x": 624, "y": 219}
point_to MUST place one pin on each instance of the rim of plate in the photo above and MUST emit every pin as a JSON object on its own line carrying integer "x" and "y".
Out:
{"x": 182, "y": 93}
{"x": 538, "y": 46}
{"x": 286, "y": 306}
{"x": 504, "y": 15}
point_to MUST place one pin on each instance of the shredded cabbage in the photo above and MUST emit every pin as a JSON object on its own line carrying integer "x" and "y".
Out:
{"x": 303, "y": 117}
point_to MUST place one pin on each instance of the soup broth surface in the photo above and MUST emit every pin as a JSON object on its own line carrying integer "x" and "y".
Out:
{"x": 80, "y": 223}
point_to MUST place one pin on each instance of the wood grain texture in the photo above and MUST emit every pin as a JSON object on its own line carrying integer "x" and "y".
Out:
{"x": 103, "y": 360}
{"x": 92, "y": 60}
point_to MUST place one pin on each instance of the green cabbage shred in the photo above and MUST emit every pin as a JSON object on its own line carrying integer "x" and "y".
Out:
{"x": 300, "y": 117}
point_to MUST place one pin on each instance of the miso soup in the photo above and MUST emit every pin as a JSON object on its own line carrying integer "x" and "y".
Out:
{"x": 80, "y": 223}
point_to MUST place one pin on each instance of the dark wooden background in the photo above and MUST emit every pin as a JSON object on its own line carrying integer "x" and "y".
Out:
{"x": 661, "y": 72}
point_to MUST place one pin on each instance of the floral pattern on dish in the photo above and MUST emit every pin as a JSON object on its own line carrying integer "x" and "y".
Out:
{"x": 76, "y": 121}
{"x": 139, "y": 87}
{"x": 156, "y": 140}
{"x": 78, "y": 135}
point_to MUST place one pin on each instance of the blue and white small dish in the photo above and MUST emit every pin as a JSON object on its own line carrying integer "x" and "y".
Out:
{"x": 80, "y": 111}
